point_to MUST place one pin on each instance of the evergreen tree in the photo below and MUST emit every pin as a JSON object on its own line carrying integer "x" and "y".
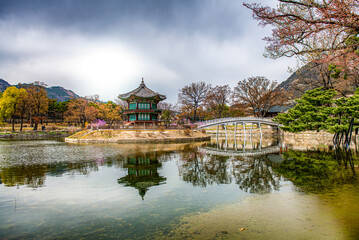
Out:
{"x": 311, "y": 112}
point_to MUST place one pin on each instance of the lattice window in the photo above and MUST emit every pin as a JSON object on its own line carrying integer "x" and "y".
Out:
{"x": 132, "y": 106}
{"x": 132, "y": 117}
{"x": 143, "y": 106}
{"x": 143, "y": 116}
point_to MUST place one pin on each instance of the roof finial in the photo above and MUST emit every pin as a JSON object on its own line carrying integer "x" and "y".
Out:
{"x": 142, "y": 82}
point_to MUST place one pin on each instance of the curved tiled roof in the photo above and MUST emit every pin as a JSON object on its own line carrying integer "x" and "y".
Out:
{"x": 142, "y": 91}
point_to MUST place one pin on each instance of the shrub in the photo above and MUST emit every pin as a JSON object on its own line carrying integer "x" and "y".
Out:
{"x": 161, "y": 129}
{"x": 187, "y": 132}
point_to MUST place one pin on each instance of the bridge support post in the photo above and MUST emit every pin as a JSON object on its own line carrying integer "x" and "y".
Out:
{"x": 251, "y": 135}
{"x": 244, "y": 130}
{"x": 235, "y": 136}
{"x": 260, "y": 141}
{"x": 225, "y": 130}
{"x": 217, "y": 132}
{"x": 235, "y": 131}
{"x": 244, "y": 140}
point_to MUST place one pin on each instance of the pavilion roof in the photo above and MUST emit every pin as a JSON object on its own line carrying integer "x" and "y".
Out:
{"x": 142, "y": 91}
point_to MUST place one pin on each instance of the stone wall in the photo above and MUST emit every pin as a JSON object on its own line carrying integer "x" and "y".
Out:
{"x": 34, "y": 135}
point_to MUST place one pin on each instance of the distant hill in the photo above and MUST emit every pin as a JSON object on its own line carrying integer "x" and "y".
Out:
{"x": 309, "y": 77}
{"x": 305, "y": 78}
{"x": 3, "y": 85}
{"x": 57, "y": 92}
{"x": 60, "y": 93}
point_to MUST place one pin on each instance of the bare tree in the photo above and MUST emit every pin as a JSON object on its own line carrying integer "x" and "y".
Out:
{"x": 303, "y": 27}
{"x": 259, "y": 94}
{"x": 217, "y": 100}
{"x": 167, "y": 111}
{"x": 193, "y": 96}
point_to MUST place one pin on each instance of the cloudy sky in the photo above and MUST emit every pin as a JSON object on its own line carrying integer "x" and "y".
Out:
{"x": 105, "y": 47}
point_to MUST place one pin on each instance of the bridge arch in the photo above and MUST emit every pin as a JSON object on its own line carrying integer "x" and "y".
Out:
{"x": 229, "y": 121}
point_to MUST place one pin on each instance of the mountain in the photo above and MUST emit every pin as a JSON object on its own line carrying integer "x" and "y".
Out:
{"x": 309, "y": 77}
{"x": 305, "y": 78}
{"x": 57, "y": 92}
{"x": 60, "y": 93}
{"x": 3, "y": 85}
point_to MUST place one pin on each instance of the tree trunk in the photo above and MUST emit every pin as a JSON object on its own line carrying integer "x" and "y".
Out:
{"x": 21, "y": 123}
{"x": 194, "y": 114}
{"x": 13, "y": 124}
{"x": 31, "y": 121}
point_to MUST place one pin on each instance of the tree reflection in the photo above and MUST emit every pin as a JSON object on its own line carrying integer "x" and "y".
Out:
{"x": 317, "y": 171}
{"x": 142, "y": 173}
{"x": 252, "y": 174}
{"x": 255, "y": 175}
{"x": 34, "y": 175}
{"x": 201, "y": 170}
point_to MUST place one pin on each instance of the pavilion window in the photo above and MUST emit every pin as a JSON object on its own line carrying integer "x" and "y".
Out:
{"x": 154, "y": 106}
{"x": 132, "y": 106}
{"x": 132, "y": 117}
{"x": 143, "y": 117}
{"x": 144, "y": 106}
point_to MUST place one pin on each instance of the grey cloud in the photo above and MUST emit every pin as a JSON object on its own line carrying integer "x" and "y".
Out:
{"x": 172, "y": 43}
{"x": 217, "y": 18}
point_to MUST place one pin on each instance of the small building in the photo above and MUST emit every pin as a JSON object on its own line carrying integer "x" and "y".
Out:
{"x": 273, "y": 111}
{"x": 142, "y": 105}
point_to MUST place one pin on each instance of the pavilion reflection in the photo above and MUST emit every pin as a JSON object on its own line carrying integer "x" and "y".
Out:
{"x": 142, "y": 172}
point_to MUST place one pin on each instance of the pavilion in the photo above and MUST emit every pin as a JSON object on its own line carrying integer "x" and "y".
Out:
{"x": 142, "y": 105}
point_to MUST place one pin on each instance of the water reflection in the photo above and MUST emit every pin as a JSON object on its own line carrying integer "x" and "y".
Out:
{"x": 142, "y": 173}
{"x": 257, "y": 170}
{"x": 251, "y": 174}
{"x": 255, "y": 175}
{"x": 92, "y": 190}
{"x": 318, "y": 171}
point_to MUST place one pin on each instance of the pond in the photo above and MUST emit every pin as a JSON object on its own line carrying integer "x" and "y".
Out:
{"x": 214, "y": 190}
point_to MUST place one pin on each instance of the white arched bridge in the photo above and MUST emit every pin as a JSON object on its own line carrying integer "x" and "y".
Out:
{"x": 238, "y": 120}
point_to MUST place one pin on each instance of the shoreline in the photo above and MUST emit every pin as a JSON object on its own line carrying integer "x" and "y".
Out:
{"x": 137, "y": 136}
{"x": 33, "y": 135}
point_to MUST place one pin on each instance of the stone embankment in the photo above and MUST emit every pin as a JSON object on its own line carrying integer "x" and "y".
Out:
{"x": 34, "y": 135}
{"x": 312, "y": 140}
{"x": 137, "y": 136}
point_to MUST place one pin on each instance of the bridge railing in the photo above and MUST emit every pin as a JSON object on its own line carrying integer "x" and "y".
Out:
{"x": 236, "y": 119}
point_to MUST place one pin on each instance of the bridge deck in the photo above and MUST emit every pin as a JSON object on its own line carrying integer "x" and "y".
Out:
{"x": 226, "y": 121}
